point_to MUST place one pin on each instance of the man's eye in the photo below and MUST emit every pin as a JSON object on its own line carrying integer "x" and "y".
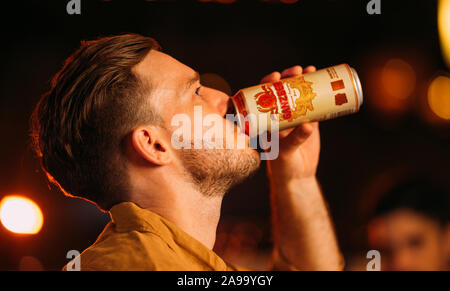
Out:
{"x": 197, "y": 91}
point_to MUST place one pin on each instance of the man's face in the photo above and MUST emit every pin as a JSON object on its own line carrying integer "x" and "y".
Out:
{"x": 177, "y": 91}
{"x": 408, "y": 241}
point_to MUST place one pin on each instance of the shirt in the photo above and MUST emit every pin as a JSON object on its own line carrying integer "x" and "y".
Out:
{"x": 139, "y": 239}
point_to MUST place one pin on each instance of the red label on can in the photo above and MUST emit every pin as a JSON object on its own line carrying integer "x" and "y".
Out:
{"x": 239, "y": 101}
{"x": 241, "y": 109}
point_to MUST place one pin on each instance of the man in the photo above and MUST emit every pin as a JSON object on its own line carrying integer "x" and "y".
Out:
{"x": 411, "y": 227}
{"x": 104, "y": 133}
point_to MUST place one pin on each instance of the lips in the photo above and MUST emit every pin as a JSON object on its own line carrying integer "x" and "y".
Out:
{"x": 230, "y": 107}
{"x": 231, "y": 110}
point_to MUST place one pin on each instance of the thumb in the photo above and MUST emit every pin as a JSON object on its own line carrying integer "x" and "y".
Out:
{"x": 273, "y": 77}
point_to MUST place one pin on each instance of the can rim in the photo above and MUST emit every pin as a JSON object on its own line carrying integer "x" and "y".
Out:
{"x": 358, "y": 86}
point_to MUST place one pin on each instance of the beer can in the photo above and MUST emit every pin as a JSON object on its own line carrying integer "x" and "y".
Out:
{"x": 325, "y": 94}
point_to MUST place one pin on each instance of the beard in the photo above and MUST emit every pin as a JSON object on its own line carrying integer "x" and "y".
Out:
{"x": 215, "y": 171}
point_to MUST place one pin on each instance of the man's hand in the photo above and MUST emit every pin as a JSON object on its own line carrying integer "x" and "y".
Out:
{"x": 303, "y": 233}
{"x": 300, "y": 146}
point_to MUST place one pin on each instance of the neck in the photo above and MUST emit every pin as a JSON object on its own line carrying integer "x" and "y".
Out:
{"x": 199, "y": 219}
{"x": 182, "y": 204}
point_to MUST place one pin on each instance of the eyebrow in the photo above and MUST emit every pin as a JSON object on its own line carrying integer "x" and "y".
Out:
{"x": 193, "y": 80}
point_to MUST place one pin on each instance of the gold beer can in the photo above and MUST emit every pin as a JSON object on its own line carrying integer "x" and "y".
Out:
{"x": 325, "y": 94}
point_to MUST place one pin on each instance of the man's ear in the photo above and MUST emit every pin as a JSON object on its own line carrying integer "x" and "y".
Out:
{"x": 149, "y": 143}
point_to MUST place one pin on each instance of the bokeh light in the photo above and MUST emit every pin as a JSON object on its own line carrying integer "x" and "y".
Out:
{"x": 30, "y": 263}
{"x": 21, "y": 215}
{"x": 226, "y": 1}
{"x": 391, "y": 87}
{"x": 444, "y": 28}
{"x": 439, "y": 97}
{"x": 398, "y": 79}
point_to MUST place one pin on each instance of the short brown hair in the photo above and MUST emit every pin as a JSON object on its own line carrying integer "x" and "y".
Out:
{"x": 80, "y": 124}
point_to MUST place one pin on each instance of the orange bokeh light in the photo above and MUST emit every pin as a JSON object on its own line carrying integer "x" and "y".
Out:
{"x": 439, "y": 97}
{"x": 21, "y": 215}
{"x": 444, "y": 28}
{"x": 226, "y": 1}
{"x": 392, "y": 86}
{"x": 398, "y": 79}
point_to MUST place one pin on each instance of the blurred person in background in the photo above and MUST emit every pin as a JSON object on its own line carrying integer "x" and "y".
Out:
{"x": 410, "y": 227}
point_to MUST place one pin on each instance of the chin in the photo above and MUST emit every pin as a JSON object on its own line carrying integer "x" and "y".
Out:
{"x": 256, "y": 154}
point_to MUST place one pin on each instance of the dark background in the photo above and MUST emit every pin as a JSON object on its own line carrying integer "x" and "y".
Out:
{"x": 361, "y": 154}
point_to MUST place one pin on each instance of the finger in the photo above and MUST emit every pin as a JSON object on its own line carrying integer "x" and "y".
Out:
{"x": 314, "y": 124}
{"x": 309, "y": 69}
{"x": 286, "y": 132}
{"x": 298, "y": 136}
{"x": 291, "y": 72}
{"x": 273, "y": 77}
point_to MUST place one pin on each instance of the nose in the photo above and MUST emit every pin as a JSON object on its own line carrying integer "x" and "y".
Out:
{"x": 218, "y": 99}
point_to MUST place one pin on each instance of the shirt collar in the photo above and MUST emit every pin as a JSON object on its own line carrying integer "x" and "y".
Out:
{"x": 128, "y": 216}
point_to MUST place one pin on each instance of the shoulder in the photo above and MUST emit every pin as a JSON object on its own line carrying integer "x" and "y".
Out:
{"x": 133, "y": 250}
